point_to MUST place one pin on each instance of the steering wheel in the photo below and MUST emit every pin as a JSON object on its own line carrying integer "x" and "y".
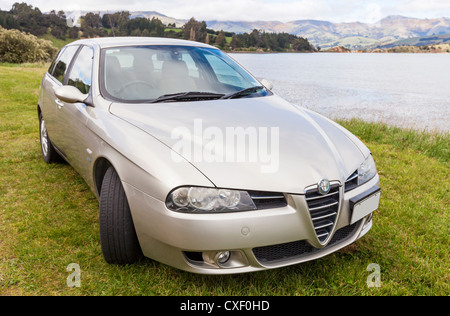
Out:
{"x": 135, "y": 82}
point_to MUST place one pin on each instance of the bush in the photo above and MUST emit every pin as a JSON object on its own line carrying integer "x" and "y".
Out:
{"x": 18, "y": 47}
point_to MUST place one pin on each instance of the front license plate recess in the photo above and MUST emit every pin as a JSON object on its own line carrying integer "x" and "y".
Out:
{"x": 364, "y": 204}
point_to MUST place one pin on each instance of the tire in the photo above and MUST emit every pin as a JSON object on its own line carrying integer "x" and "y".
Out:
{"x": 118, "y": 237}
{"x": 49, "y": 153}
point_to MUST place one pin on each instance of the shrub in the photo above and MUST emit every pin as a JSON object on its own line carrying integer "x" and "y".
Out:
{"x": 18, "y": 47}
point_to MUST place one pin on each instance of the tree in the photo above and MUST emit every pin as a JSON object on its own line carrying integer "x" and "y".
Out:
{"x": 122, "y": 19}
{"x": 235, "y": 43}
{"x": 255, "y": 39}
{"x": 30, "y": 19}
{"x": 284, "y": 40}
{"x": 117, "y": 22}
{"x": 107, "y": 21}
{"x": 273, "y": 41}
{"x": 300, "y": 44}
{"x": 8, "y": 21}
{"x": 157, "y": 28}
{"x": 26, "y": 18}
{"x": 136, "y": 32}
{"x": 137, "y": 26}
{"x": 194, "y": 30}
{"x": 74, "y": 32}
{"x": 91, "y": 25}
{"x": 57, "y": 23}
{"x": 91, "y": 20}
{"x": 270, "y": 41}
{"x": 221, "y": 40}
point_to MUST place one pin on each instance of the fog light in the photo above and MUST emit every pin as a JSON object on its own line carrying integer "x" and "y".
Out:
{"x": 223, "y": 257}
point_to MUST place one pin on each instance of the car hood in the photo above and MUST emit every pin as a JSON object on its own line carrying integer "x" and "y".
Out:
{"x": 264, "y": 143}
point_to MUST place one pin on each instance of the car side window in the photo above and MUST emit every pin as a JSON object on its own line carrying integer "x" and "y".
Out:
{"x": 62, "y": 64}
{"x": 52, "y": 65}
{"x": 225, "y": 74}
{"x": 81, "y": 74}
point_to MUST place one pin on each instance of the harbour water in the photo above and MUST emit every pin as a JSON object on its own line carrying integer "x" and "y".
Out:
{"x": 405, "y": 90}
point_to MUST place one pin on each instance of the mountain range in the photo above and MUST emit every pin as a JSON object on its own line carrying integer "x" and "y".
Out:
{"x": 354, "y": 35}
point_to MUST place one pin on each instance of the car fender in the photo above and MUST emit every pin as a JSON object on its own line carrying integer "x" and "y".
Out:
{"x": 139, "y": 159}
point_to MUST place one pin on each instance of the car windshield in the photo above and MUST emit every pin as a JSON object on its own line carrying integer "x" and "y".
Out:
{"x": 173, "y": 73}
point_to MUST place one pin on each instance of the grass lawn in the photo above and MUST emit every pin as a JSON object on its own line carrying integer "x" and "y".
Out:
{"x": 58, "y": 43}
{"x": 48, "y": 220}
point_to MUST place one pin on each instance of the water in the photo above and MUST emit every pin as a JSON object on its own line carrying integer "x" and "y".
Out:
{"x": 405, "y": 90}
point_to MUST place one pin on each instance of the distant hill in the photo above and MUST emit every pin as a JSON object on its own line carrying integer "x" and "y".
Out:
{"x": 354, "y": 35}
{"x": 389, "y": 32}
{"x": 434, "y": 48}
{"x": 420, "y": 41}
{"x": 165, "y": 19}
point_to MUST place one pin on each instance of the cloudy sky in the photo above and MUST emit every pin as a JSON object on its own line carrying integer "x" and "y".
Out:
{"x": 251, "y": 10}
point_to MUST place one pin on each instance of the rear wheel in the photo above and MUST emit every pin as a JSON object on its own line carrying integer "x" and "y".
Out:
{"x": 118, "y": 237}
{"x": 49, "y": 153}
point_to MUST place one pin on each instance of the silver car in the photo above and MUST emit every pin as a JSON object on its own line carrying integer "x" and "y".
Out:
{"x": 197, "y": 164}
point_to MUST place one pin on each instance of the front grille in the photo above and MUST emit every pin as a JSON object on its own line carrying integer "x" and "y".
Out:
{"x": 323, "y": 210}
{"x": 266, "y": 200}
{"x": 351, "y": 182}
{"x": 297, "y": 249}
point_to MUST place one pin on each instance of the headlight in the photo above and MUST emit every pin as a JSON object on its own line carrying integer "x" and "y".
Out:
{"x": 208, "y": 200}
{"x": 367, "y": 170}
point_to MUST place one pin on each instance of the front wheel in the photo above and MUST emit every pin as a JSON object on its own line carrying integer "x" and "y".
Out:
{"x": 49, "y": 153}
{"x": 118, "y": 237}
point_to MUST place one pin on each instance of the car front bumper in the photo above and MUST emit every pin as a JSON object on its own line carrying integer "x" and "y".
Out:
{"x": 257, "y": 240}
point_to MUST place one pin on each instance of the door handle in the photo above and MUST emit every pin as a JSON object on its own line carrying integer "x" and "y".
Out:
{"x": 59, "y": 103}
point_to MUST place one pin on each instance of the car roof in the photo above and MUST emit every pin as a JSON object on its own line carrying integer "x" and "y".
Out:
{"x": 106, "y": 42}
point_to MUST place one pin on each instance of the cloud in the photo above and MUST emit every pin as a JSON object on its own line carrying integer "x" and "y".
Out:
{"x": 424, "y": 9}
{"x": 244, "y": 10}
{"x": 420, "y": 5}
{"x": 252, "y": 10}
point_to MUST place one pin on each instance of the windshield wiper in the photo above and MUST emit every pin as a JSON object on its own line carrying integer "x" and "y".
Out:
{"x": 188, "y": 96}
{"x": 243, "y": 93}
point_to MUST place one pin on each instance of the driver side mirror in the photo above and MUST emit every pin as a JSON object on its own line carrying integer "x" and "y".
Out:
{"x": 70, "y": 94}
{"x": 267, "y": 83}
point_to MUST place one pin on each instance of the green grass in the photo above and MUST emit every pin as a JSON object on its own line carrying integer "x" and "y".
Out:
{"x": 48, "y": 219}
{"x": 176, "y": 30}
{"x": 58, "y": 43}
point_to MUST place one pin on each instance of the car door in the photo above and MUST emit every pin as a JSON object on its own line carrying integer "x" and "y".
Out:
{"x": 53, "y": 79}
{"x": 72, "y": 117}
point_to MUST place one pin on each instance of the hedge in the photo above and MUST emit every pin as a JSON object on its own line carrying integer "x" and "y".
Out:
{"x": 18, "y": 47}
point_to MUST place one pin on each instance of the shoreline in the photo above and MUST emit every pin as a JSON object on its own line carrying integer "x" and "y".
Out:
{"x": 330, "y": 52}
{"x": 407, "y": 49}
